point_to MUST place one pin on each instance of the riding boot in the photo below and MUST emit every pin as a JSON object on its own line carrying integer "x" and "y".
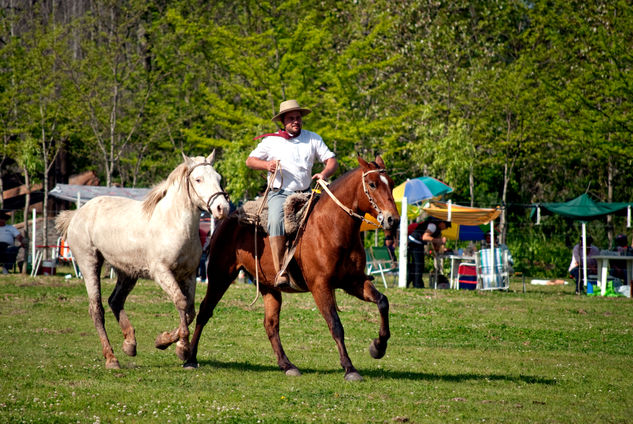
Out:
{"x": 278, "y": 248}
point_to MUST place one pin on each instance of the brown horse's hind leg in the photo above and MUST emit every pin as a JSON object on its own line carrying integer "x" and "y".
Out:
{"x": 324, "y": 298}
{"x": 367, "y": 292}
{"x": 124, "y": 286}
{"x": 218, "y": 284}
{"x": 272, "y": 307}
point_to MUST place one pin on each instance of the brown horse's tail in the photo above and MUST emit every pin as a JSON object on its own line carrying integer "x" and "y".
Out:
{"x": 62, "y": 222}
{"x": 335, "y": 302}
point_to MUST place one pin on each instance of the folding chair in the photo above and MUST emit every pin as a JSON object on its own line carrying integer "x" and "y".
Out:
{"x": 379, "y": 261}
{"x": 65, "y": 255}
{"x": 467, "y": 276}
{"x": 492, "y": 269}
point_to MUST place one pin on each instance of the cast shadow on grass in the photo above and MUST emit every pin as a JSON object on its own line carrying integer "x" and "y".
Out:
{"x": 391, "y": 374}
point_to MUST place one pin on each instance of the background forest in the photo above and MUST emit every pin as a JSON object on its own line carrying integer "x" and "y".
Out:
{"x": 510, "y": 102}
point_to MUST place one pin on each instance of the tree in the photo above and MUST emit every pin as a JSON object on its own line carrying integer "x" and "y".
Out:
{"x": 112, "y": 80}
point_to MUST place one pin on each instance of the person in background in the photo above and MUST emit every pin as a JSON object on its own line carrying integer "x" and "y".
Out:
{"x": 575, "y": 266}
{"x": 8, "y": 236}
{"x": 428, "y": 231}
{"x": 621, "y": 244}
{"x": 294, "y": 151}
{"x": 390, "y": 243}
{"x": 205, "y": 239}
{"x": 618, "y": 267}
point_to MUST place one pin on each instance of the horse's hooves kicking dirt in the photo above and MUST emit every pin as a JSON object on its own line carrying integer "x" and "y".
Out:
{"x": 293, "y": 372}
{"x": 353, "y": 376}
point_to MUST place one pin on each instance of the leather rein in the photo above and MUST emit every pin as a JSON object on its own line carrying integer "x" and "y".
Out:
{"x": 372, "y": 202}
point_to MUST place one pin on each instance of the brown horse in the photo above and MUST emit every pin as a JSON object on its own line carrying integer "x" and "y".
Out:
{"x": 329, "y": 256}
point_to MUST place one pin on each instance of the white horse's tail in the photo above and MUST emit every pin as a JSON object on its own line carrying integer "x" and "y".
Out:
{"x": 62, "y": 222}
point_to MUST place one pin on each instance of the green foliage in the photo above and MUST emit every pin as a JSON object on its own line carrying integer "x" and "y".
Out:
{"x": 508, "y": 102}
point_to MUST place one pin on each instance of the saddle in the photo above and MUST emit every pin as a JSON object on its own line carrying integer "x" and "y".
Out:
{"x": 294, "y": 211}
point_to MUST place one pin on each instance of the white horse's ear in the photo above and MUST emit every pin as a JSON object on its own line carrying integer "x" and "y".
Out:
{"x": 211, "y": 157}
{"x": 186, "y": 159}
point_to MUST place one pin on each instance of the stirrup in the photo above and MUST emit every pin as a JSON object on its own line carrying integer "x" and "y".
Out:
{"x": 287, "y": 284}
{"x": 282, "y": 279}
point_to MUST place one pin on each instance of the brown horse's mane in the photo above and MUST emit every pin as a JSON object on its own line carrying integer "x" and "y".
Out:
{"x": 158, "y": 192}
{"x": 343, "y": 178}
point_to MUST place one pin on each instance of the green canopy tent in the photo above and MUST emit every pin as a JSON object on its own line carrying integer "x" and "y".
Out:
{"x": 584, "y": 209}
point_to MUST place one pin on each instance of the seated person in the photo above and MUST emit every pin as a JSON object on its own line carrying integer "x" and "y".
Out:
{"x": 618, "y": 267}
{"x": 575, "y": 267}
{"x": 8, "y": 236}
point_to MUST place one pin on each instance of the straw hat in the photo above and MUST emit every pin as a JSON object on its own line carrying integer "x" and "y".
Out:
{"x": 289, "y": 106}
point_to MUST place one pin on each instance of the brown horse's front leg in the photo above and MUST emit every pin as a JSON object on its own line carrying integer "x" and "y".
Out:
{"x": 324, "y": 298}
{"x": 272, "y": 307}
{"x": 367, "y": 291}
{"x": 218, "y": 285}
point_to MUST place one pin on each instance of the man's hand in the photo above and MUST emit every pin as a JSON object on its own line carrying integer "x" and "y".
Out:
{"x": 262, "y": 165}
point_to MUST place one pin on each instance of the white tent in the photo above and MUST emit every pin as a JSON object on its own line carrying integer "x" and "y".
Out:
{"x": 83, "y": 193}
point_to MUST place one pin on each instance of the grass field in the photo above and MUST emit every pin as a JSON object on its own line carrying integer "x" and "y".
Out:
{"x": 543, "y": 356}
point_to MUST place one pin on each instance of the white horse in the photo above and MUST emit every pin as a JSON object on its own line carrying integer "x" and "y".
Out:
{"x": 156, "y": 238}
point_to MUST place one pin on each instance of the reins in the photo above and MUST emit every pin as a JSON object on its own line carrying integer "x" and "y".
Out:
{"x": 350, "y": 212}
{"x": 269, "y": 186}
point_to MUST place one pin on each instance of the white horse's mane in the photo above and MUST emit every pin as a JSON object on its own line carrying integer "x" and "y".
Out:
{"x": 158, "y": 192}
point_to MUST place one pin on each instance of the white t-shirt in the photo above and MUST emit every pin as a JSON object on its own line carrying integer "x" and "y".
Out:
{"x": 8, "y": 233}
{"x": 297, "y": 155}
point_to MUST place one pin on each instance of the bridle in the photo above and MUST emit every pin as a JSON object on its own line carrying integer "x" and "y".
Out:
{"x": 380, "y": 217}
{"x": 213, "y": 196}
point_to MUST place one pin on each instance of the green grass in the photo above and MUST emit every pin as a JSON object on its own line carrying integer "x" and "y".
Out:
{"x": 541, "y": 356}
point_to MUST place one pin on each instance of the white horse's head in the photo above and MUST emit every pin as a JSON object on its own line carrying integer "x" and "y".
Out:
{"x": 204, "y": 185}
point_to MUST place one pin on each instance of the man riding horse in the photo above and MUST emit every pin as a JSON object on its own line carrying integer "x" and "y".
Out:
{"x": 288, "y": 155}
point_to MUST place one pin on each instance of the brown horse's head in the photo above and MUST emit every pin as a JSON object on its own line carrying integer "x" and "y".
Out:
{"x": 378, "y": 186}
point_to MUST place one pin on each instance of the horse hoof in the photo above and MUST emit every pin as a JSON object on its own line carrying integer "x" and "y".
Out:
{"x": 113, "y": 364}
{"x": 353, "y": 376}
{"x": 376, "y": 352}
{"x": 190, "y": 365}
{"x": 162, "y": 341}
{"x": 293, "y": 372}
{"x": 129, "y": 348}
{"x": 183, "y": 350}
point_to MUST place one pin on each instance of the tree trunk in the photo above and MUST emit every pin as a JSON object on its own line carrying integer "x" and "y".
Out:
{"x": 27, "y": 205}
{"x": 471, "y": 185}
{"x": 503, "y": 217}
{"x": 610, "y": 172}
